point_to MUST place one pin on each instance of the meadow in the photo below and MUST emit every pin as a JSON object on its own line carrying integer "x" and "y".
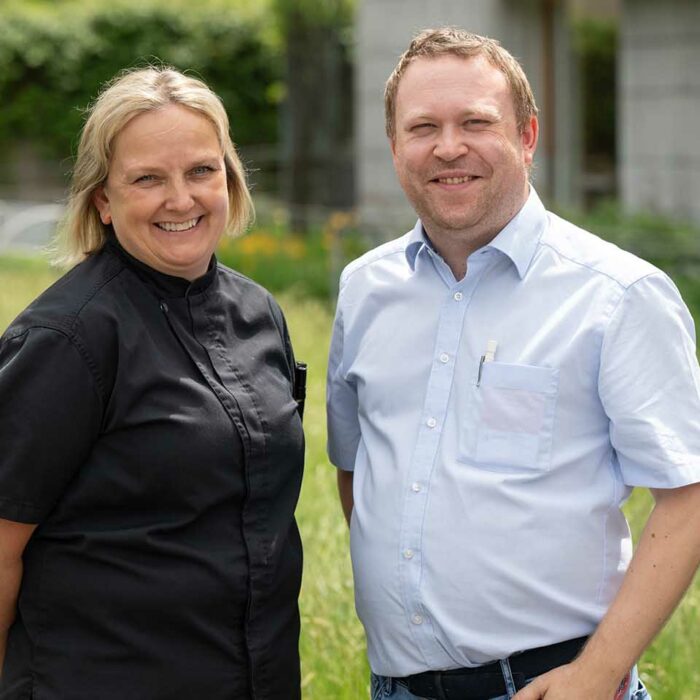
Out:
{"x": 332, "y": 645}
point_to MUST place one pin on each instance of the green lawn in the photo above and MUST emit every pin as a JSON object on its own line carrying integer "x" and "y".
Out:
{"x": 332, "y": 645}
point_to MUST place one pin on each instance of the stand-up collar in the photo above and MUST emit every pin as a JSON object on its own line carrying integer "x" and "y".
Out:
{"x": 166, "y": 285}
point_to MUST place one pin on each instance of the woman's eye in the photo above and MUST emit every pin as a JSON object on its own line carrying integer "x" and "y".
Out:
{"x": 145, "y": 178}
{"x": 202, "y": 170}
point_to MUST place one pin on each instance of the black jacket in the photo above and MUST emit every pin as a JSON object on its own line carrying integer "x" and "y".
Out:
{"x": 148, "y": 425}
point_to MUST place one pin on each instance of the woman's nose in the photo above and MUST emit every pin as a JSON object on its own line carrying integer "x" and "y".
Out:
{"x": 179, "y": 196}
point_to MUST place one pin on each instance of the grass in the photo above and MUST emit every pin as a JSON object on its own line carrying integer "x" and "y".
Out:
{"x": 332, "y": 644}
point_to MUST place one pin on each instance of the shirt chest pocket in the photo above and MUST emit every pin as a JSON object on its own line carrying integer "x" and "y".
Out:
{"x": 511, "y": 417}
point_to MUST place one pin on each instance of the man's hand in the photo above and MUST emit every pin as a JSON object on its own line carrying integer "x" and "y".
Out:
{"x": 570, "y": 682}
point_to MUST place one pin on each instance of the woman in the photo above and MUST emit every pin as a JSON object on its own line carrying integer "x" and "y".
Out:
{"x": 151, "y": 451}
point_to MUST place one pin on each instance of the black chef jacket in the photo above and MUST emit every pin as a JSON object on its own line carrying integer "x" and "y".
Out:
{"x": 147, "y": 424}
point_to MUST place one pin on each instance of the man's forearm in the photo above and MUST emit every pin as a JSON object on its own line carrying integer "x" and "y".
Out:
{"x": 662, "y": 568}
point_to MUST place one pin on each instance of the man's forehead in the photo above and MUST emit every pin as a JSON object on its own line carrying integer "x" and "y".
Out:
{"x": 447, "y": 77}
{"x": 449, "y": 66}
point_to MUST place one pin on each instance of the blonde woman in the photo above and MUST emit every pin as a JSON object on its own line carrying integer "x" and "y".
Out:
{"x": 151, "y": 445}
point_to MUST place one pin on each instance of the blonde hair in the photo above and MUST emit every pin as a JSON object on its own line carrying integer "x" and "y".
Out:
{"x": 431, "y": 43}
{"x": 130, "y": 93}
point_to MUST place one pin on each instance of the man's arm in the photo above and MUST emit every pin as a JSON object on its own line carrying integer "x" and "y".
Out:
{"x": 662, "y": 568}
{"x": 13, "y": 539}
{"x": 345, "y": 492}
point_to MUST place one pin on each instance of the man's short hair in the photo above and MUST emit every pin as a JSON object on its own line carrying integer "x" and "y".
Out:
{"x": 431, "y": 43}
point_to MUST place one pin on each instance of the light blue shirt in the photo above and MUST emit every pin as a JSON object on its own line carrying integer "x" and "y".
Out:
{"x": 487, "y": 500}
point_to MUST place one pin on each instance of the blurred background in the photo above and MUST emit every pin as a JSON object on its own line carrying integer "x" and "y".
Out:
{"x": 616, "y": 81}
{"x": 618, "y": 86}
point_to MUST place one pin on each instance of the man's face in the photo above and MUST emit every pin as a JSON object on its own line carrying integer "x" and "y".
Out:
{"x": 457, "y": 150}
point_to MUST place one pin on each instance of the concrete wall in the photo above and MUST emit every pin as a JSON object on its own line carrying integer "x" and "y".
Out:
{"x": 659, "y": 107}
{"x": 384, "y": 29}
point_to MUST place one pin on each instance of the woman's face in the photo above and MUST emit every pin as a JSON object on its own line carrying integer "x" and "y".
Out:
{"x": 166, "y": 194}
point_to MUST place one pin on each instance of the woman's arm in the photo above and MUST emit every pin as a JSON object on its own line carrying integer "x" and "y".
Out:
{"x": 13, "y": 539}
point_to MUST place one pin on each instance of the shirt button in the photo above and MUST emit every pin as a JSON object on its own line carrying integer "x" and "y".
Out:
{"x": 444, "y": 358}
{"x": 458, "y": 296}
{"x": 163, "y": 307}
{"x": 415, "y": 487}
{"x": 408, "y": 554}
{"x": 431, "y": 422}
{"x": 417, "y": 619}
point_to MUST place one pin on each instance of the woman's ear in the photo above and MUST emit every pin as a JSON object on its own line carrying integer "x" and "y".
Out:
{"x": 101, "y": 202}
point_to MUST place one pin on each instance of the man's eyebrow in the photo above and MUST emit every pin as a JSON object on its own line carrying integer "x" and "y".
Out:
{"x": 486, "y": 111}
{"x": 483, "y": 111}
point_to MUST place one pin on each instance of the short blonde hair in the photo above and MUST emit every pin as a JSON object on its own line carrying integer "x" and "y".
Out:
{"x": 130, "y": 93}
{"x": 431, "y": 43}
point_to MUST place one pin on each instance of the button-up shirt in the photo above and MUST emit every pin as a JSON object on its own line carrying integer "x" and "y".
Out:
{"x": 147, "y": 424}
{"x": 495, "y": 425}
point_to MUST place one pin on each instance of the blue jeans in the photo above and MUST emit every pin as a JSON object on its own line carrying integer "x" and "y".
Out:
{"x": 384, "y": 688}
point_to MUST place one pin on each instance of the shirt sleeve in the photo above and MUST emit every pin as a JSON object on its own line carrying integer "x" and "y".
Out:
{"x": 341, "y": 403}
{"x": 649, "y": 385}
{"x": 50, "y": 415}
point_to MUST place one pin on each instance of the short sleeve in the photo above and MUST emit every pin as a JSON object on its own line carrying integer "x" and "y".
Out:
{"x": 50, "y": 415}
{"x": 649, "y": 385}
{"x": 341, "y": 404}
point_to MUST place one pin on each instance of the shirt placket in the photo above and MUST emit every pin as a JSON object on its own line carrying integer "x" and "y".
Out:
{"x": 422, "y": 470}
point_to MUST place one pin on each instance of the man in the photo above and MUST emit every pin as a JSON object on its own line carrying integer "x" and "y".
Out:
{"x": 499, "y": 381}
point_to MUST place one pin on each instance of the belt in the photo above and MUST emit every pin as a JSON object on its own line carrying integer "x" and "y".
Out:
{"x": 485, "y": 682}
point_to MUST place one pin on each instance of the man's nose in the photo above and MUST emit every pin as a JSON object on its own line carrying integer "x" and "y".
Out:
{"x": 451, "y": 144}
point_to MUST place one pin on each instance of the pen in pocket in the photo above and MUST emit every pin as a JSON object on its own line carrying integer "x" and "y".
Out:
{"x": 488, "y": 356}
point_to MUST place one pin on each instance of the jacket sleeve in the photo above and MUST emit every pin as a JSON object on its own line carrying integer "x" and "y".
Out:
{"x": 50, "y": 416}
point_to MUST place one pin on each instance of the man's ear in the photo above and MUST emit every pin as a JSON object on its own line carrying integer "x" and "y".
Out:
{"x": 528, "y": 139}
{"x": 101, "y": 202}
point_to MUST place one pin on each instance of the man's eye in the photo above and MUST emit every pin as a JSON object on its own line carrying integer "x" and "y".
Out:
{"x": 477, "y": 122}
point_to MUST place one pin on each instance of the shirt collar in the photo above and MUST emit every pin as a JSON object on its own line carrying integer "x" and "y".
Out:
{"x": 518, "y": 240}
{"x": 168, "y": 286}
{"x": 416, "y": 241}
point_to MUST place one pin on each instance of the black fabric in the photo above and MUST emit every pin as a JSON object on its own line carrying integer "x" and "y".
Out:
{"x": 148, "y": 425}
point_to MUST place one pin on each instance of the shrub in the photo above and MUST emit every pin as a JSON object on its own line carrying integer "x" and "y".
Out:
{"x": 54, "y": 57}
{"x": 308, "y": 265}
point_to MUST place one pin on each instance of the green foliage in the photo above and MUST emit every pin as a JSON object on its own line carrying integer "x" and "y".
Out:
{"x": 674, "y": 246}
{"x": 336, "y": 14}
{"x": 596, "y": 45}
{"x": 55, "y": 56}
{"x": 308, "y": 265}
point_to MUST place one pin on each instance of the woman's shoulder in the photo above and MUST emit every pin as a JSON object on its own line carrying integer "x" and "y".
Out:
{"x": 233, "y": 281}
{"x": 62, "y": 305}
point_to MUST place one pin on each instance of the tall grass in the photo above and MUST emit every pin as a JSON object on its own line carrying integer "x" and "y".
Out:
{"x": 332, "y": 644}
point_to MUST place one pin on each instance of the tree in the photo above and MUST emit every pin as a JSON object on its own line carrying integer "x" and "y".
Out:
{"x": 317, "y": 111}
